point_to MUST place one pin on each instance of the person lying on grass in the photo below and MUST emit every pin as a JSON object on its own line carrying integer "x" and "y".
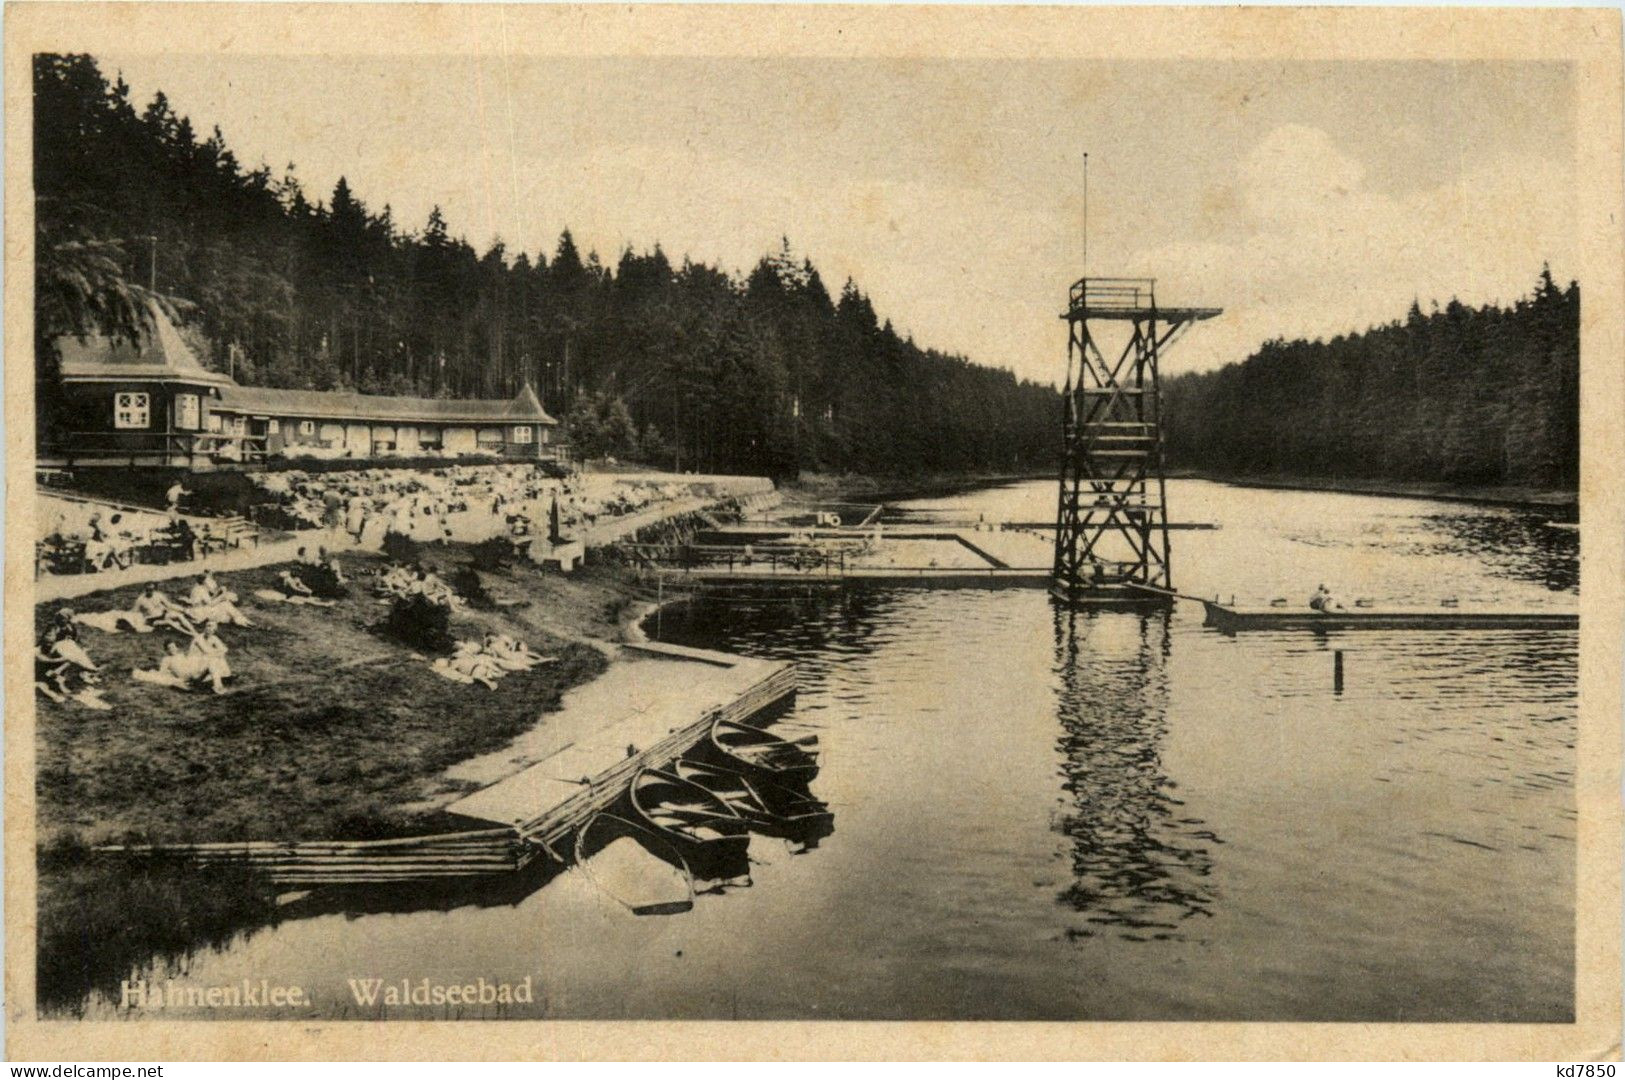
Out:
{"x": 108, "y": 622}
{"x": 294, "y": 591}
{"x": 326, "y": 560}
{"x": 467, "y": 664}
{"x": 60, "y": 641}
{"x": 209, "y": 601}
{"x": 62, "y": 668}
{"x": 181, "y": 670}
{"x": 157, "y": 609}
{"x": 511, "y": 654}
{"x": 211, "y": 653}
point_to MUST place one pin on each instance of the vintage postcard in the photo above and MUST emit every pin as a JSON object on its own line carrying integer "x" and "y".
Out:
{"x": 691, "y": 532}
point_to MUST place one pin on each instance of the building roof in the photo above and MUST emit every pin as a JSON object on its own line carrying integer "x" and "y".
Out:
{"x": 161, "y": 355}
{"x": 525, "y": 408}
{"x": 164, "y": 356}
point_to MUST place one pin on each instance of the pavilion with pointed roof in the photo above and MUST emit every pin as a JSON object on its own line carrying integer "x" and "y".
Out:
{"x": 153, "y": 403}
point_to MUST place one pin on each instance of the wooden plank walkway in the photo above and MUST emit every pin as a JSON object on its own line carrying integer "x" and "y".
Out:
{"x": 644, "y": 712}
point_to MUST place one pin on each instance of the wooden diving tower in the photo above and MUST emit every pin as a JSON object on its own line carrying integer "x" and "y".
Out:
{"x": 1111, "y": 519}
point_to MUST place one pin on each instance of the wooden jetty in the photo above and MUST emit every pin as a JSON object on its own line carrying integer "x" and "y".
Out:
{"x": 642, "y": 713}
{"x": 1231, "y": 618}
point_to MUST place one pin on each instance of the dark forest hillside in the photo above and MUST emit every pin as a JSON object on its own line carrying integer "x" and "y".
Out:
{"x": 1463, "y": 395}
{"x": 682, "y": 364}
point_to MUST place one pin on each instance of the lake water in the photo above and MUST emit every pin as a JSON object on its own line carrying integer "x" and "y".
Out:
{"x": 1047, "y": 815}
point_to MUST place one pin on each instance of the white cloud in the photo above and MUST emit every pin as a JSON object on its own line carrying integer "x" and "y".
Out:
{"x": 1327, "y": 255}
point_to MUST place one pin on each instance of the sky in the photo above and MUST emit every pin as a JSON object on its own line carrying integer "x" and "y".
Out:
{"x": 1307, "y": 199}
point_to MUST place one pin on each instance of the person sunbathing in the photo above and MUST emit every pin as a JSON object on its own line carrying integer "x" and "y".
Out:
{"x": 510, "y": 654}
{"x": 155, "y": 606}
{"x": 60, "y": 641}
{"x": 63, "y": 671}
{"x": 293, "y": 591}
{"x": 467, "y": 660}
{"x": 432, "y": 587}
{"x": 181, "y": 670}
{"x": 326, "y": 560}
{"x": 209, "y": 652}
{"x": 108, "y": 622}
{"x": 209, "y": 601}
{"x": 397, "y": 581}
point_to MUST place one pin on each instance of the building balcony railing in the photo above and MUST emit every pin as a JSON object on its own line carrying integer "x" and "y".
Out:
{"x": 155, "y": 447}
{"x": 205, "y": 449}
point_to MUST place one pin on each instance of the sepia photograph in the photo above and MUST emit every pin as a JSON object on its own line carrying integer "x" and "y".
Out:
{"x": 522, "y": 531}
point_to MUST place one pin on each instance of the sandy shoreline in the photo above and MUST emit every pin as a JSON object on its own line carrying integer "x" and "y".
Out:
{"x": 1563, "y": 503}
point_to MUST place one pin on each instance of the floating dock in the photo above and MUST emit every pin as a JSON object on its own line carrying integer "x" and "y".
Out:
{"x": 759, "y": 556}
{"x": 897, "y": 577}
{"x": 1230, "y": 619}
{"x": 653, "y": 704}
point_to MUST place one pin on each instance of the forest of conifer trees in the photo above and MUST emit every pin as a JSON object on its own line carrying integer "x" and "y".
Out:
{"x": 682, "y": 365}
{"x": 1469, "y": 396}
{"x": 690, "y": 366}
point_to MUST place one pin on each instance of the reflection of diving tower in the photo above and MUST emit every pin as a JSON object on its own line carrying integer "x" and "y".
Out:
{"x": 1111, "y": 522}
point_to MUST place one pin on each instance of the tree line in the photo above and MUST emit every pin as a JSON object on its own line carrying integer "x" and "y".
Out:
{"x": 682, "y": 363}
{"x": 1487, "y": 395}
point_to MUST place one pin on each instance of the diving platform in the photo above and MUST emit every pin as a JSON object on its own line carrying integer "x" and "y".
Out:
{"x": 1111, "y": 519}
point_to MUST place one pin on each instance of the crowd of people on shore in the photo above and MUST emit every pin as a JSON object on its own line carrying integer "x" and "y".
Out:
{"x": 64, "y": 670}
{"x": 106, "y": 539}
{"x": 519, "y": 500}
{"x": 516, "y": 500}
{"x": 356, "y": 507}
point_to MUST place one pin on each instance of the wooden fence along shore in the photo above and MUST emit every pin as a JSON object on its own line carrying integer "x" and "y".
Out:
{"x": 356, "y": 862}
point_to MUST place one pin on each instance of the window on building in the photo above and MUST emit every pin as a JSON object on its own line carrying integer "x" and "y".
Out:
{"x": 132, "y": 410}
{"x": 188, "y": 414}
{"x": 239, "y": 425}
{"x": 214, "y": 422}
{"x": 307, "y": 427}
{"x": 521, "y": 433}
{"x": 273, "y": 426}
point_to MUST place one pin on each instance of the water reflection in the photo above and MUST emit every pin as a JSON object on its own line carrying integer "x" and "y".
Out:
{"x": 1516, "y": 546}
{"x": 1141, "y": 866}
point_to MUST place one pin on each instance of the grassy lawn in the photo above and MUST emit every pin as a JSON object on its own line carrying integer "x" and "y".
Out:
{"x": 328, "y": 729}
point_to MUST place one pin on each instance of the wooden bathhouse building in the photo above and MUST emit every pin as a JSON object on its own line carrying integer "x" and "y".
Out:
{"x": 156, "y": 405}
